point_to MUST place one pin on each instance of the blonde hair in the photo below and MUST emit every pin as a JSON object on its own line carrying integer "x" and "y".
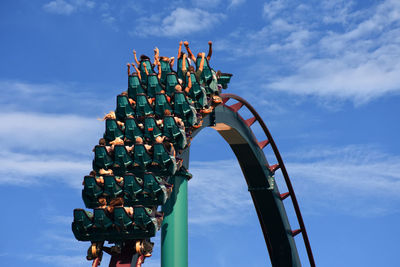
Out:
{"x": 109, "y": 115}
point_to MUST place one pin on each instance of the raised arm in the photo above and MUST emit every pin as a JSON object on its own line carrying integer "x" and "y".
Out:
{"x": 186, "y": 43}
{"x": 202, "y": 61}
{"x": 209, "y": 50}
{"x": 184, "y": 63}
{"x": 159, "y": 69}
{"x": 137, "y": 71}
{"x": 145, "y": 68}
{"x": 171, "y": 62}
{"x": 129, "y": 68}
{"x": 189, "y": 85}
{"x": 156, "y": 55}
{"x": 134, "y": 55}
{"x": 180, "y": 49}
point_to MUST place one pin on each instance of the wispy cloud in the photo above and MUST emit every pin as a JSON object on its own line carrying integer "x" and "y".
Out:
{"x": 355, "y": 180}
{"x": 271, "y": 8}
{"x": 180, "y": 21}
{"x": 351, "y": 55}
{"x": 53, "y": 97}
{"x": 64, "y": 7}
{"x": 359, "y": 180}
{"x": 217, "y": 193}
{"x": 38, "y": 146}
{"x": 50, "y": 133}
{"x": 30, "y": 169}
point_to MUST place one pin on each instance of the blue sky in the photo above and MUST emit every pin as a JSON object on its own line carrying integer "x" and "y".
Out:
{"x": 324, "y": 75}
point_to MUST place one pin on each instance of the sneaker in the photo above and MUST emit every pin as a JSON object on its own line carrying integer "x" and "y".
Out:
{"x": 206, "y": 110}
{"x": 217, "y": 99}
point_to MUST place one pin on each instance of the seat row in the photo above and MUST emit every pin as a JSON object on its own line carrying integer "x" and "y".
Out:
{"x": 137, "y": 159}
{"x": 148, "y": 131}
{"x": 144, "y": 106}
{"x": 116, "y": 226}
{"x": 152, "y": 84}
{"x": 148, "y": 190}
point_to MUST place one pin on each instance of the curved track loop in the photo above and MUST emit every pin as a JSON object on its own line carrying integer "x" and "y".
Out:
{"x": 280, "y": 165}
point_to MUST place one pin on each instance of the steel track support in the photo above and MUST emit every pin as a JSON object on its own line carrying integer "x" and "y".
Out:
{"x": 174, "y": 231}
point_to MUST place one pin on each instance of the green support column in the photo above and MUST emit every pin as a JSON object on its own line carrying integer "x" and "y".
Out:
{"x": 174, "y": 232}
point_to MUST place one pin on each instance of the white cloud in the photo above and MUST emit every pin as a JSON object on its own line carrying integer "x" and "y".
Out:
{"x": 38, "y": 147}
{"x": 59, "y": 7}
{"x": 62, "y": 7}
{"x": 234, "y": 3}
{"x": 179, "y": 22}
{"x": 271, "y": 8}
{"x": 359, "y": 180}
{"x": 329, "y": 50}
{"x": 39, "y": 132}
{"x": 355, "y": 180}
{"x": 38, "y": 169}
{"x": 218, "y": 193}
{"x": 57, "y": 97}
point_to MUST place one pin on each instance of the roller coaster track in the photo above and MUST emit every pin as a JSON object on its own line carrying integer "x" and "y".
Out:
{"x": 272, "y": 168}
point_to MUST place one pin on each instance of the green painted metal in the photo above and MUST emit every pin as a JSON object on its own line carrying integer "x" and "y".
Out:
{"x": 112, "y": 130}
{"x": 171, "y": 82}
{"x": 151, "y": 129}
{"x": 143, "y": 107}
{"x": 132, "y": 131}
{"x": 183, "y": 109}
{"x": 134, "y": 86}
{"x": 161, "y": 104}
{"x": 124, "y": 108}
{"x": 174, "y": 231}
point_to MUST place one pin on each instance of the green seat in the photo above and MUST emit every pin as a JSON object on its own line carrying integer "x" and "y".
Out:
{"x": 152, "y": 183}
{"x": 212, "y": 87}
{"x": 121, "y": 218}
{"x": 121, "y": 157}
{"x": 82, "y": 224}
{"x": 141, "y": 156}
{"x": 142, "y": 217}
{"x": 91, "y": 189}
{"x": 151, "y": 129}
{"x": 111, "y": 188}
{"x": 134, "y": 86}
{"x": 206, "y": 74}
{"x": 161, "y": 104}
{"x": 183, "y": 109}
{"x": 197, "y": 93}
{"x": 179, "y": 72}
{"x": 153, "y": 85}
{"x": 224, "y": 79}
{"x": 112, "y": 130}
{"x": 133, "y": 186}
{"x": 101, "y": 220}
{"x": 165, "y": 161}
{"x": 124, "y": 108}
{"x": 132, "y": 130}
{"x": 102, "y": 160}
{"x": 165, "y": 68}
{"x": 143, "y": 107}
{"x": 172, "y": 81}
{"x": 83, "y": 219}
{"x": 149, "y": 68}
{"x": 176, "y": 135}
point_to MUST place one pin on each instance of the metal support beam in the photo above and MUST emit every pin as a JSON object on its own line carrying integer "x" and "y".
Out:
{"x": 174, "y": 231}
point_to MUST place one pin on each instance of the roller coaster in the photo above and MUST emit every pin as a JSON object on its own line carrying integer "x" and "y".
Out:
{"x": 142, "y": 163}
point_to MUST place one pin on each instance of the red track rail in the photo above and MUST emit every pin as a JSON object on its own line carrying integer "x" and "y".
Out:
{"x": 236, "y": 107}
